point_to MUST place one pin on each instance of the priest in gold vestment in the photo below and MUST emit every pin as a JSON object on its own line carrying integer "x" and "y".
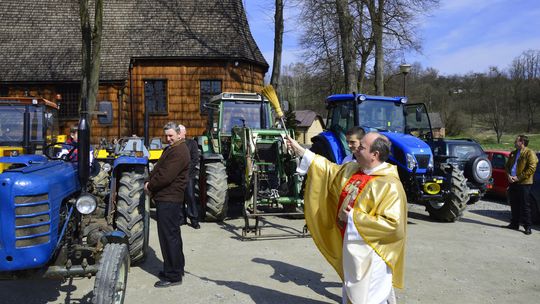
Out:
{"x": 357, "y": 215}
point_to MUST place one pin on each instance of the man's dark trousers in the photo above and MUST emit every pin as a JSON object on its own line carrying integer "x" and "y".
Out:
{"x": 192, "y": 207}
{"x": 170, "y": 240}
{"x": 520, "y": 204}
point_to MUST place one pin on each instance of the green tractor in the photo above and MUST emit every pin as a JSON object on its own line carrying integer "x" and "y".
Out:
{"x": 242, "y": 147}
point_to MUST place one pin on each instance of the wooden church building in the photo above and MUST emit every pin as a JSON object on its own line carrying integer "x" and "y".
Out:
{"x": 167, "y": 57}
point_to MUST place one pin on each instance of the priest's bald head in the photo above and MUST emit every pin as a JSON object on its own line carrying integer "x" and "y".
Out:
{"x": 374, "y": 150}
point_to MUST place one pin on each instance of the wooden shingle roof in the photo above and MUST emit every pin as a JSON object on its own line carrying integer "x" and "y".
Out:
{"x": 306, "y": 118}
{"x": 41, "y": 40}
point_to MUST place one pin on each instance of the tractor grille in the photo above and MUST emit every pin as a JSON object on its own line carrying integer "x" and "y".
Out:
{"x": 32, "y": 220}
{"x": 268, "y": 152}
{"x": 423, "y": 160}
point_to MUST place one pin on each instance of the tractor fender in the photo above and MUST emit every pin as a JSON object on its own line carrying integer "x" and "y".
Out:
{"x": 329, "y": 145}
{"x": 114, "y": 237}
{"x": 211, "y": 157}
{"x": 129, "y": 160}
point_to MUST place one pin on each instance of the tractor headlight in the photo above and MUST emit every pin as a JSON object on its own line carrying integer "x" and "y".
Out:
{"x": 411, "y": 162}
{"x": 430, "y": 164}
{"x": 106, "y": 167}
{"x": 86, "y": 204}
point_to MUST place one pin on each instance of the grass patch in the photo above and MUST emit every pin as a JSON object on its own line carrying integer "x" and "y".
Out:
{"x": 488, "y": 140}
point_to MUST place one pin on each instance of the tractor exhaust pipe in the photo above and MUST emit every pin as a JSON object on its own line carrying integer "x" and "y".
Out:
{"x": 26, "y": 133}
{"x": 146, "y": 124}
{"x": 84, "y": 146}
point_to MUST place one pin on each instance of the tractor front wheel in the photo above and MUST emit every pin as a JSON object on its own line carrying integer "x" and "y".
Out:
{"x": 451, "y": 209}
{"x": 111, "y": 278}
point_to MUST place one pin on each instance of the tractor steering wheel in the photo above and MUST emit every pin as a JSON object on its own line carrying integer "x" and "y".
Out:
{"x": 56, "y": 151}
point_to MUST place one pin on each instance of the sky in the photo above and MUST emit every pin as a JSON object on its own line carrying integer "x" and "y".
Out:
{"x": 458, "y": 37}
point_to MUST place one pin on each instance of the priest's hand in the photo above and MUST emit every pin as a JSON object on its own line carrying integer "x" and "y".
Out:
{"x": 343, "y": 216}
{"x": 295, "y": 146}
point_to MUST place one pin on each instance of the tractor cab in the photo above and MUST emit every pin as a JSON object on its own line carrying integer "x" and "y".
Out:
{"x": 27, "y": 125}
{"x": 228, "y": 111}
{"x": 390, "y": 115}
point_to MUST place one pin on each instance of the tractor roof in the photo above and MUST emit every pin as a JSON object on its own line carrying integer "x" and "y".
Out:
{"x": 362, "y": 97}
{"x": 245, "y": 97}
{"x": 27, "y": 101}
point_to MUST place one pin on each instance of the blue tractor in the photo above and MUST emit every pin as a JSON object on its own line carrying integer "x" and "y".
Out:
{"x": 439, "y": 185}
{"x": 57, "y": 220}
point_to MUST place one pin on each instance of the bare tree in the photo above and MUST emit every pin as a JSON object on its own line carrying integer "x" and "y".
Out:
{"x": 525, "y": 76}
{"x": 321, "y": 43}
{"x": 363, "y": 37}
{"x": 376, "y": 12}
{"x": 347, "y": 44}
{"x": 278, "y": 44}
{"x": 91, "y": 51}
{"x": 495, "y": 93}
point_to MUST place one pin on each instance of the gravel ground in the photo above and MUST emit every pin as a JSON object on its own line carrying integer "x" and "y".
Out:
{"x": 471, "y": 261}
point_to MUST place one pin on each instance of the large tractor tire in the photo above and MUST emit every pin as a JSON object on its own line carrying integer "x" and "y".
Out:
{"x": 455, "y": 201}
{"x": 133, "y": 213}
{"x": 217, "y": 196}
{"x": 111, "y": 278}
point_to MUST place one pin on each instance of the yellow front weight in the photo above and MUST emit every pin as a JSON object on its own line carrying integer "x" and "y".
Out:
{"x": 432, "y": 188}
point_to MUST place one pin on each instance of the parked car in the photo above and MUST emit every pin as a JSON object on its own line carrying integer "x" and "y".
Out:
{"x": 498, "y": 159}
{"x": 468, "y": 156}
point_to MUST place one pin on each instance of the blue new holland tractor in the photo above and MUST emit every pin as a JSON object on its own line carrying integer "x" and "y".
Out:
{"x": 56, "y": 220}
{"x": 439, "y": 185}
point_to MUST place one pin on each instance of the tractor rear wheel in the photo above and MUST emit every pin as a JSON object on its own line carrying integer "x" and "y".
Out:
{"x": 217, "y": 196}
{"x": 455, "y": 201}
{"x": 111, "y": 278}
{"x": 133, "y": 211}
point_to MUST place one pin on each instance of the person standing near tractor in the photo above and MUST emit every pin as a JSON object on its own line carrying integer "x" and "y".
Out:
{"x": 357, "y": 215}
{"x": 190, "y": 203}
{"x": 166, "y": 184}
{"x": 520, "y": 168}
{"x": 353, "y": 136}
{"x": 70, "y": 148}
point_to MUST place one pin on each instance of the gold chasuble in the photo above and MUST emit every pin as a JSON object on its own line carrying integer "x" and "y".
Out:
{"x": 379, "y": 211}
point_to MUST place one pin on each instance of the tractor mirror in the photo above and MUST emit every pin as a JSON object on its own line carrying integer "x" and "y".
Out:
{"x": 419, "y": 114}
{"x": 105, "y": 115}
